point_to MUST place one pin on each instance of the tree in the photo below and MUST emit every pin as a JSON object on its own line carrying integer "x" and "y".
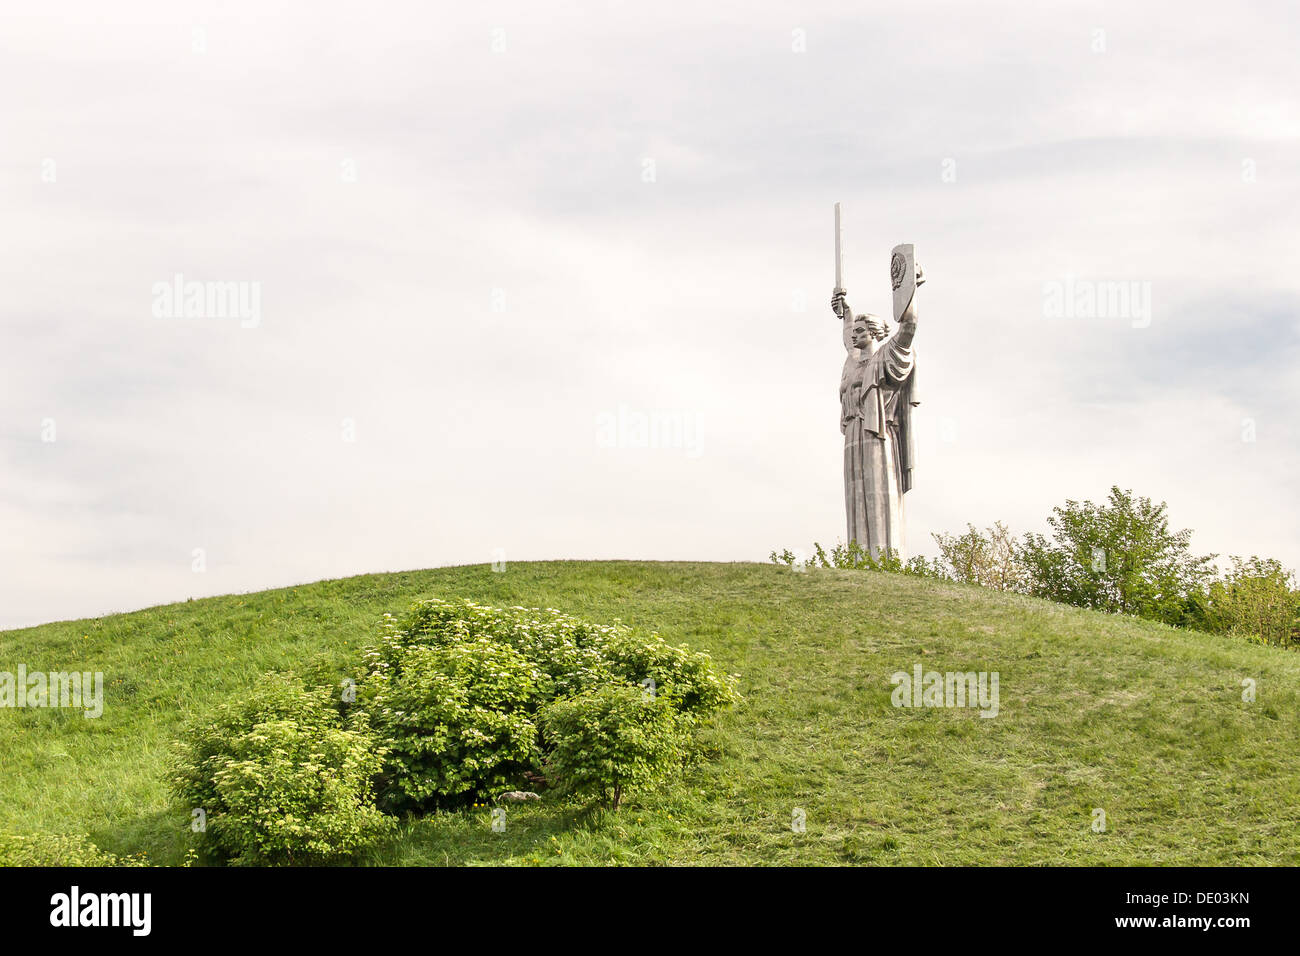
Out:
{"x": 1119, "y": 556}
{"x": 611, "y": 739}
{"x": 1256, "y": 599}
{"x": 990, "y": 560}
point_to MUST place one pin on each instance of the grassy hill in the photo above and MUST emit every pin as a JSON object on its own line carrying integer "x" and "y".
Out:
{"x": 1143, "y": 721}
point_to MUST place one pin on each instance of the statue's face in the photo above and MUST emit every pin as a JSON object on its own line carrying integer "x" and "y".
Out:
{"x": 867, "y": 330}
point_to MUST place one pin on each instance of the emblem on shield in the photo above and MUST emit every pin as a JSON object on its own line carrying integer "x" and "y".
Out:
{"x": 897, "y": 269}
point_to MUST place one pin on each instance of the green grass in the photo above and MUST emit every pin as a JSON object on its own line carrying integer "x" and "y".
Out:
{"x": 1143, "y": 721}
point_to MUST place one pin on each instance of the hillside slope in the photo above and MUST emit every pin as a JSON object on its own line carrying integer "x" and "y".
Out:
{"x": 1142, "y": 721}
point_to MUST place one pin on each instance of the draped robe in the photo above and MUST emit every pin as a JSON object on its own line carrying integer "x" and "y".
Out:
{"x": 877, "y": 394}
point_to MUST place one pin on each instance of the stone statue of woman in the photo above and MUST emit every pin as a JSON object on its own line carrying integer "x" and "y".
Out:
{"x": 877, "y": 394}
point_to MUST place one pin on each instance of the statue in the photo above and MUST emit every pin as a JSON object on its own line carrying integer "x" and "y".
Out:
{"x": 877, "y": 394}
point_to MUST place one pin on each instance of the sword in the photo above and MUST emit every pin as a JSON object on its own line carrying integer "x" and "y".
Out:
{"x": 839, "y": 251}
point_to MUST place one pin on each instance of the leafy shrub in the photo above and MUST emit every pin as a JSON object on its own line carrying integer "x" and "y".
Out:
{"x": 687, "y": 679}
{"x": 455, "y": 718}
{"x": 853, "y": 556}
{"x": 1119, "y": 556}
{"x": 565, "y": 649}
{"x": 58, "y": 849}
{"x": 610, "y": 739}
{"x": 280, "y": 778}
{"x": 449, "y": 710}
{"x": 455, "y": 689}
{"x": 790, "y": 559}
{"x": 1257, "y": 600}
{"x": 991, "y": 559}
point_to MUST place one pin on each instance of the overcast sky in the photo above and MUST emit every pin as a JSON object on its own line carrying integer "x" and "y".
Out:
{"x": 487, "y": 237}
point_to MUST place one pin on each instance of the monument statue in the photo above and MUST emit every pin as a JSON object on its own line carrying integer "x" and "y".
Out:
{"x": 877, "y": 394}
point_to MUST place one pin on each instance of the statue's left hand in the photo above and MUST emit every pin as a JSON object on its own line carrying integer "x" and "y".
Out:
{"x": 907, "y": 322}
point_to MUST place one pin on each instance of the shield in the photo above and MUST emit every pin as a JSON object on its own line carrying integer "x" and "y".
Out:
{"x": 902, "y": 276}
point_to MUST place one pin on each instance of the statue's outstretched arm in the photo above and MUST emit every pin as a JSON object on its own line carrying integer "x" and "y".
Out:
{"x": 907, "y": 321}
{"x": 840, "y": 306}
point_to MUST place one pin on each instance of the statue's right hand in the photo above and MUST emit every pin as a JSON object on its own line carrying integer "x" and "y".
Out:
{"x": 837, "y": 302}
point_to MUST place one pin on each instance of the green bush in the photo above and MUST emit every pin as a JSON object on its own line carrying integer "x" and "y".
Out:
{"x": 448, "y": 711}
{"x": 58, "y": 849}
{"x": 455, "y": 718}
{"x": 990, "y": 558}
{"x": 565, "y": 649}
{"x": 280, "y": 778}
{"x": 455, "y": 689}
{"x": 1256, "y": 600}
{"x": 610, "y": 739}
{"x": 687, "y": 679}
{"x": 854, "y": 557}
{"x": 1119, "y": 556}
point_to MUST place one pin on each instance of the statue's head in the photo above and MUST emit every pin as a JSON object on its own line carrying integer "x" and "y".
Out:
{"x": 868, "y": 328}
